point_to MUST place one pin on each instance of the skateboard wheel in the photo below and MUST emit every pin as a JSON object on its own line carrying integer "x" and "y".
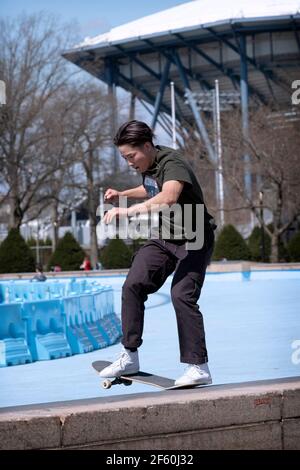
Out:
{"x": 106, "y": 384}
{"x": 127, "y": 382}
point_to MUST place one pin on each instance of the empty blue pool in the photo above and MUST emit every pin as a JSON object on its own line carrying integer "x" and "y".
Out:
{"x": 252, "y": 323}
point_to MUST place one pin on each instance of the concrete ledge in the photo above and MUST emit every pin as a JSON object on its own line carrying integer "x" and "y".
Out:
{"x": 30, "y": 433}
{"x": 291, "y": 434}
{"x": 214, "y": 267}
{"x": 253, "y": 415}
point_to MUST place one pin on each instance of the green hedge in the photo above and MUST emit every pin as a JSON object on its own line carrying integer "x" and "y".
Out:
{"x": 15, "y": 254}
{"x": 254, "y": 244}
{"x": 293, "y": 248}
{"x": 32, "y": 242}
{"x": 116, "y": 255}
{"x": 68, "y": 255}
{"x": 230, "y": 245}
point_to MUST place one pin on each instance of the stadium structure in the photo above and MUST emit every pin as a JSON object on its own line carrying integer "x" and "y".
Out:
{"x": 251, "y": 48}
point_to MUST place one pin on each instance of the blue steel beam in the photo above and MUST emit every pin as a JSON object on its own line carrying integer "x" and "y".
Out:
{"x": 111, "y": 81}
{"x": 197, "y": 115}
{"x": 160, "y": 94}
{"x": 272, "y": 76}
{"x": 159, "y": 118}
{"x": 157, "y": 76}
{"x": 193, "y": 76}
{"x": 235, "y": 78}
{"x": 170, "y": 59}
{"x": 144, "y": 92}
{"x": 146, "y": 67}
{"x": 296, "y": 29}
{"x": 260, "y": 27}
{"x": 195, "y": 48}
{"x": 265, "y": 28}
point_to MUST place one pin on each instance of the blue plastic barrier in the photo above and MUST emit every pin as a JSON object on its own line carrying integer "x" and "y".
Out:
{"x": 93, "y": 326}
{"x": 246, "y": 275}
{"x": 59, "y": 318}
{"x": 13, "y": 343}
{"x": 2, "y": 293}
{"x": 107, "y": 320}
{"x": 99, "y": 303}
{"x": 112, "y": 325}
{"x": 46, "y": 334}
{"x": 78, "y": 336}
{"x": 20, "y": 291}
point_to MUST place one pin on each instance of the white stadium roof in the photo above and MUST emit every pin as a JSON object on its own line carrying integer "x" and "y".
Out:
{"x": 194, "y": 14}
{"x": 256, "y": 42}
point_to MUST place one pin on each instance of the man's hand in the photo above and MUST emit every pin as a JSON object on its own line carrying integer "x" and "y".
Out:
{"x": 115, "y": 212}
{"x": 111, "y": 195}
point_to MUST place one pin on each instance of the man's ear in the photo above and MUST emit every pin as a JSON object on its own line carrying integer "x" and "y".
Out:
{"x": 147, "y": 146}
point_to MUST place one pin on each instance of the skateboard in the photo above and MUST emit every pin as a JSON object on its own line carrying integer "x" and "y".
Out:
{"x": 141, "y": 377}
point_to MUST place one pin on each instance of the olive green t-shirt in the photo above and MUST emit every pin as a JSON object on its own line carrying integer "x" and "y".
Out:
{"x": 169, "y": 165}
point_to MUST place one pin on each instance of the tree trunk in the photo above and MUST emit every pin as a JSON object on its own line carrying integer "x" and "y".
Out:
{"x": 94, "y": 244}
{"x": 54, "y": 223}
{"x": 277, "y": 217}
{"x": 93, "y": 232}
{"x": 15, "y": 215}
{"x": 274, "y": 247}
{"x": 92, "y": 209}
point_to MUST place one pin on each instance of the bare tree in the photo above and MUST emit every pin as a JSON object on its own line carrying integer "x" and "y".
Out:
{"x": 273, "y": 146}
{"x": 273, "y": 149}
{"x": 90, "y": 127}
{"x": 34, "y": 72}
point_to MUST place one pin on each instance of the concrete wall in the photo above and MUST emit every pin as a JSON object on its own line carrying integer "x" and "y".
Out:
{"x": 214, "y": 267}
{"x": 253, "y": 415}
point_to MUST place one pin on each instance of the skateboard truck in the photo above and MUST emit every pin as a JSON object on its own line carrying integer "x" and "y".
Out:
{"x": 107, "y": 383}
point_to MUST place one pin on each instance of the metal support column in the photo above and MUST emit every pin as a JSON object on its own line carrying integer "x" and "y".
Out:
{"x": 245, "y": 111}
{"x": 245, "y": 119}
{"x": 218, "y": 148}
{"x": 160, "y": 93}
{"x": 173, "y": 116}
{"x": 132, "y": 107}
{"x": 197, "y": 115}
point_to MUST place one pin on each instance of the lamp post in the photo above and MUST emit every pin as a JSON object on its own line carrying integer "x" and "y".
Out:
{"x": 262, "y": 241}
{"x": 2, "y": 93}
{"x": 173, "y": 115}
{"x": 54, "y": 235}
{"x": 218, "y": 150}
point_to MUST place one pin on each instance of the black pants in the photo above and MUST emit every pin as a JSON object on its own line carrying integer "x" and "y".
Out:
{"x": 151, "y": 266}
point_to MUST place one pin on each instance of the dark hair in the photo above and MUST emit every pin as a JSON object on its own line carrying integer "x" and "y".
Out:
{"x": 39, "y": 267}
{"x": 134, "y": 133}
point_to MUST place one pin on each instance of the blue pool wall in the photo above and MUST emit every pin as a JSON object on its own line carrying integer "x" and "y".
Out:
{"x": 54, "y": 319}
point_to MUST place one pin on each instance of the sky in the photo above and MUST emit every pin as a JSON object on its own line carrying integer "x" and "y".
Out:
{"x": 93, "y": 16}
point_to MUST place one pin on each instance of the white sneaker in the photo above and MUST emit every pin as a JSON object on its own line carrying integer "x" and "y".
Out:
{"x": 195, "y": 375}
{"x": 126, "y": 364}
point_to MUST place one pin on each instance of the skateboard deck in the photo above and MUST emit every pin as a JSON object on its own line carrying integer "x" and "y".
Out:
{"x": 141, "y": 377}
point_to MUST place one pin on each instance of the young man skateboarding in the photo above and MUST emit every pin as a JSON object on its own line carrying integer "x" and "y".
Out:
{"x": 168, "y": 180}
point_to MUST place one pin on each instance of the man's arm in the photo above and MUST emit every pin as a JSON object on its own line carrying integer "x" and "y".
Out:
{"x": 169, "y": 195}
{"x": 135, "y": 193}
